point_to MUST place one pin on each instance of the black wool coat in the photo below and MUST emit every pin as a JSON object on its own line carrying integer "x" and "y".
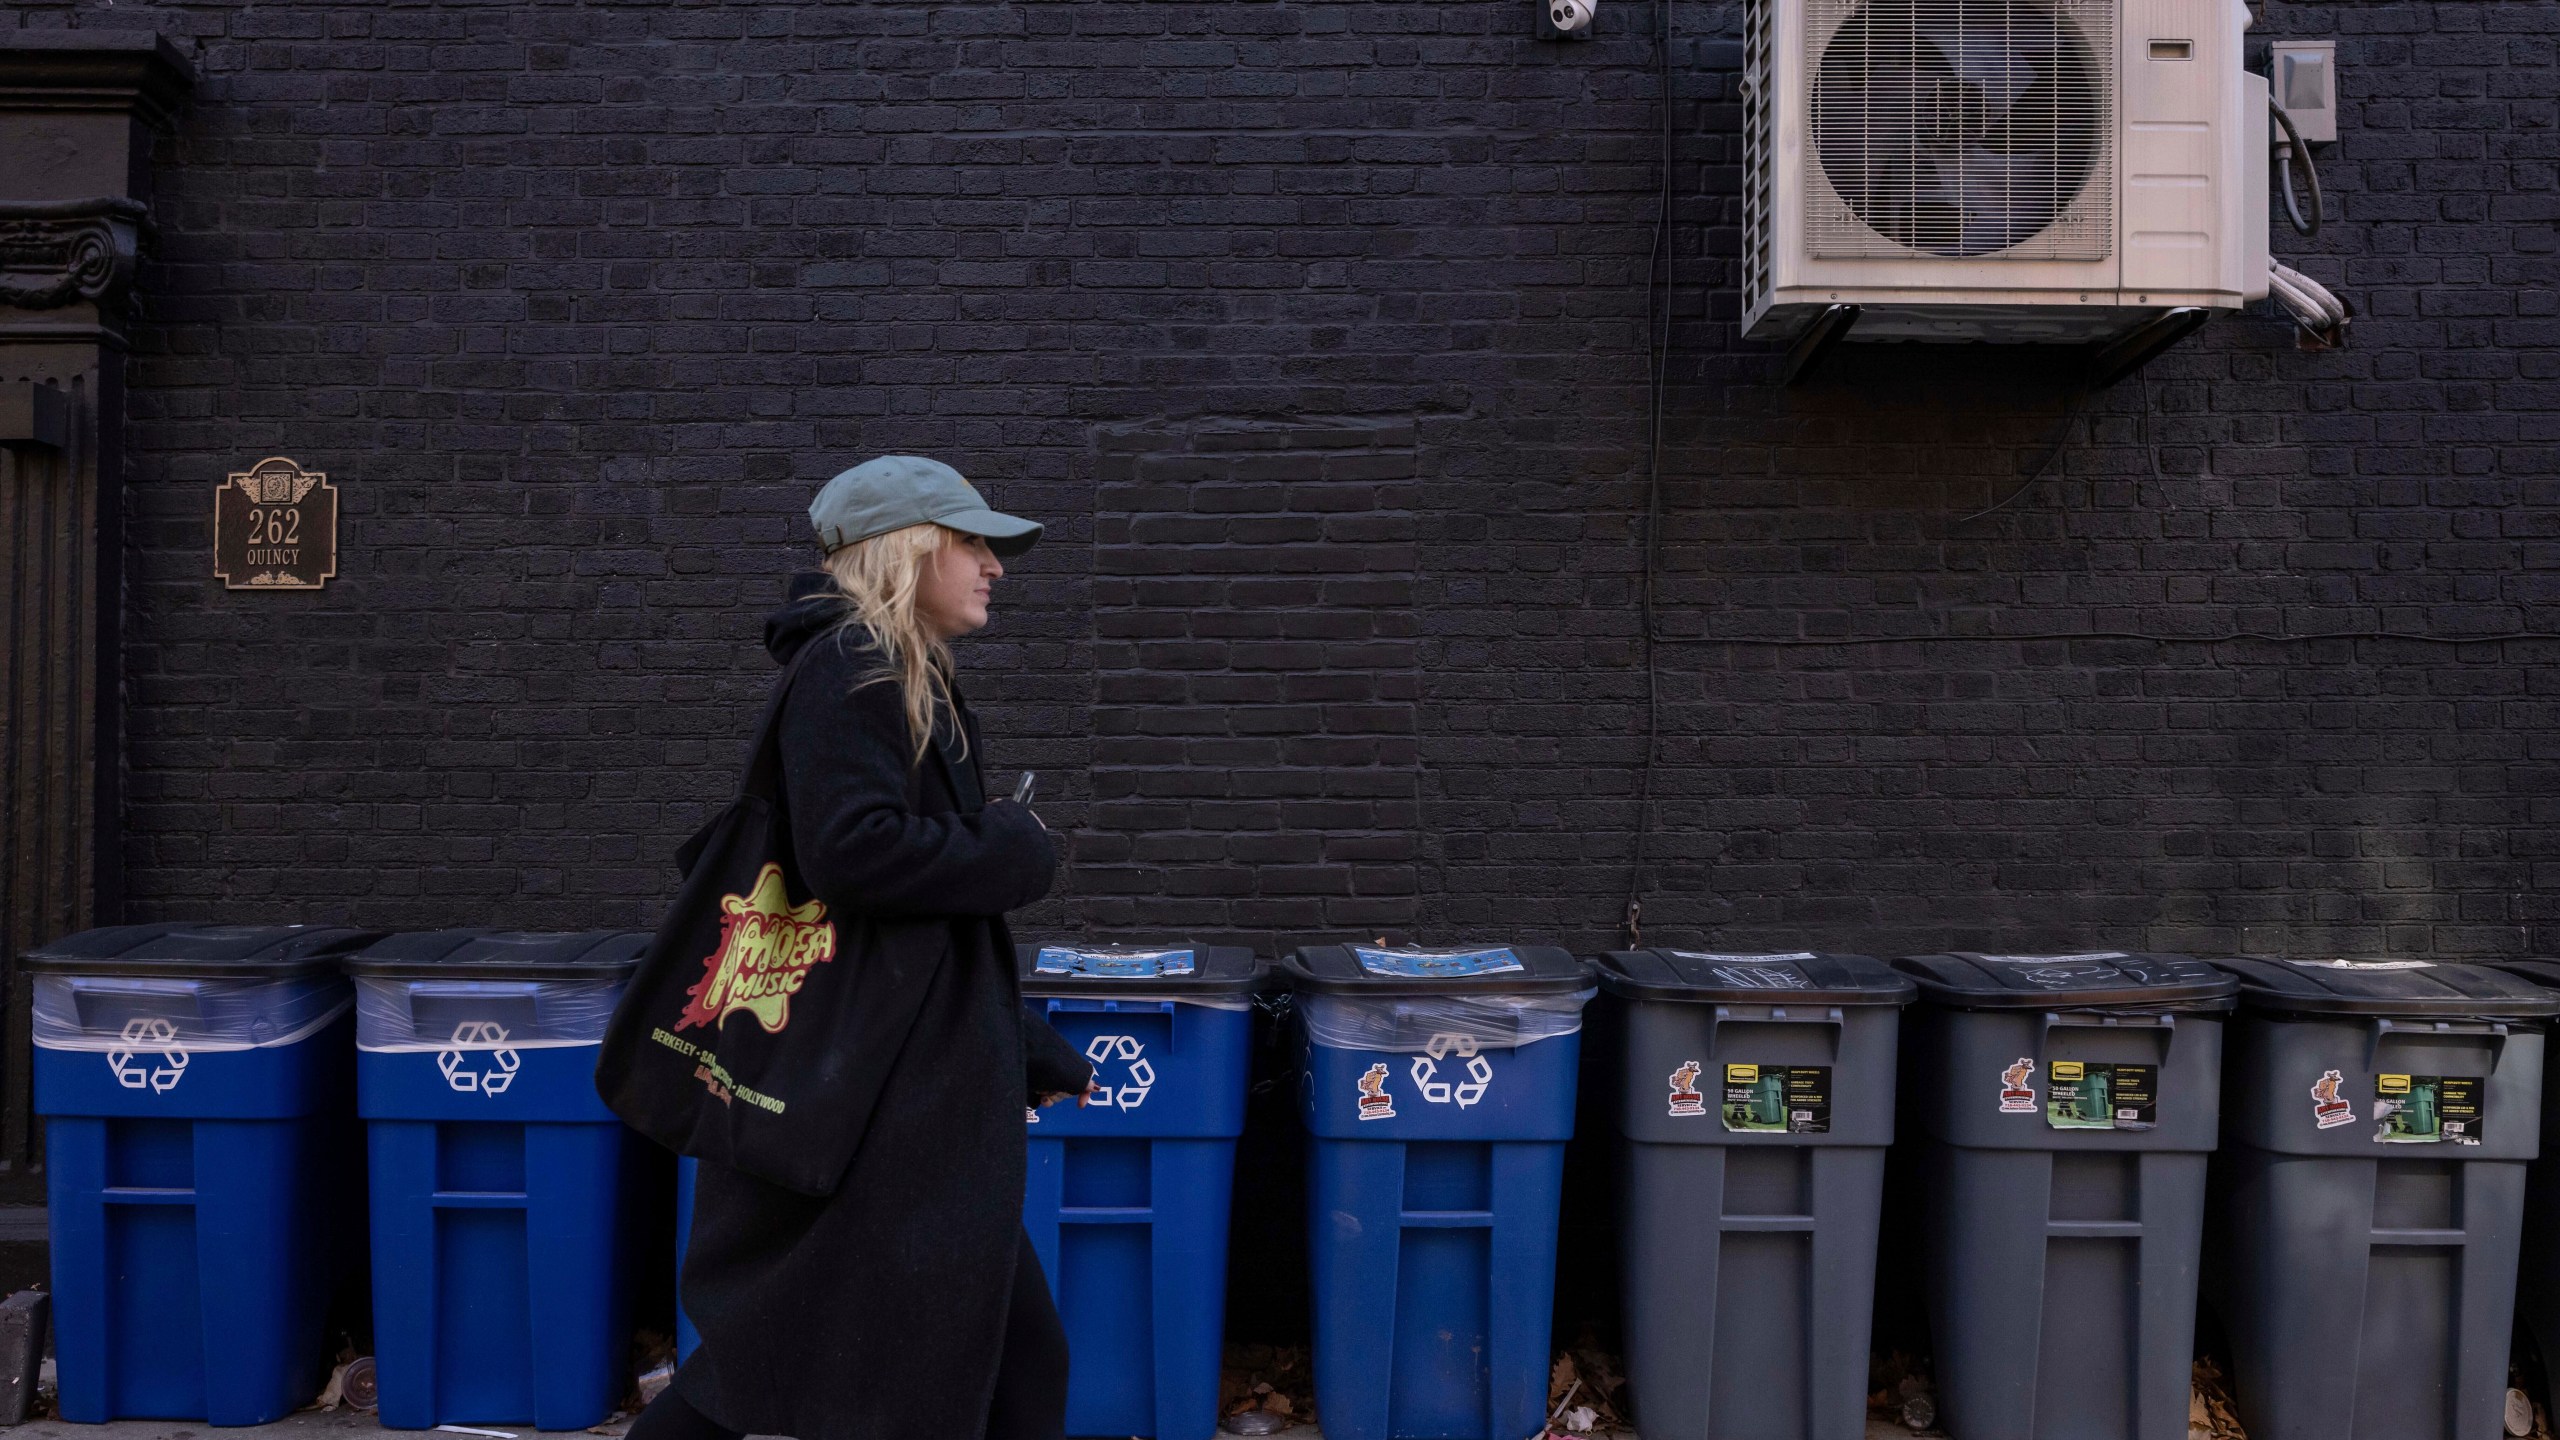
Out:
{"x": 877, "y": 1312}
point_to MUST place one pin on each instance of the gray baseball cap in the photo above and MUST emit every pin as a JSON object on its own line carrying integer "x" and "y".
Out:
{"x": 893, "y": 492}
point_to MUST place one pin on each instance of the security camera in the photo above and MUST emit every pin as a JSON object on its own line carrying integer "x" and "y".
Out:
{"x": 1570, "y": 15}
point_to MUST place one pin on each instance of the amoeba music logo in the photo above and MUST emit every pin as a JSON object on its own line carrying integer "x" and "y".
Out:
{"x": 152, "y": 1058}
{"x": 1436, "y": 1091}
{"x": 1142, "y": 1076}
{"x": 490, "y": 1079}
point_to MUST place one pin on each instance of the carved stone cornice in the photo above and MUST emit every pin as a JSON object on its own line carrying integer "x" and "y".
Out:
{"x": 53, "y": 252}
{"x": 134, "y": 71}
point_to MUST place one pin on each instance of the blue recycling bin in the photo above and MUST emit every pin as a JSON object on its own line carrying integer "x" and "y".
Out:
{"x": 499, "y": 1178}
{"x": 1126, "y": 1197}
{"x": 199, "y": 1144}
{"x": 1438, "y": 1094}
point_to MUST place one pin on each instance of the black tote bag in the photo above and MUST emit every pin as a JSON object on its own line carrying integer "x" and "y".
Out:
{"x": 736, "y": 1042}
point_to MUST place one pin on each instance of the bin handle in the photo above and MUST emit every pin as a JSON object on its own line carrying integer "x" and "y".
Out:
{"x": 133, "y": 985}
{"x": 1087, "y": 1006}
{"x": 472, "y": 989}
{"x": 2061, "y": 1020}
{"x": 1778, "y": 1015}
{"x": 1095, "y": 1005}
{"x": 2494, "y": 1030}
{"x": 172, "y": 999}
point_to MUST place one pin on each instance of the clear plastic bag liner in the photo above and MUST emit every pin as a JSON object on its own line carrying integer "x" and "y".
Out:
{"x": 1436, "y": 964}
{"x": 406, "y": 1016}
{"x": 1408, "y": 1024}
{"x": 113, "y": 1012}
{"x": 1113, "y": 962}
{"x": 1087, "y": 1003}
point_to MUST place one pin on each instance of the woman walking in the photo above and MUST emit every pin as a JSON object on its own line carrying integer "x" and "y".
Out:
{"x": 907, "y": 1303}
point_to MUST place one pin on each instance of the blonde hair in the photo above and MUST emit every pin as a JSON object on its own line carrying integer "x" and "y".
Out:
{"x": 881, "y": 576}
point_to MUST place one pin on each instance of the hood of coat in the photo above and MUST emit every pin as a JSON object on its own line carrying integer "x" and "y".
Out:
{"x": 811, "y": 606}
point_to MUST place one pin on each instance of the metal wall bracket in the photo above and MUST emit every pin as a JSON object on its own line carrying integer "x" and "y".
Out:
{"x": 1816, "y": 342}
{"x": 2120, "y": 357}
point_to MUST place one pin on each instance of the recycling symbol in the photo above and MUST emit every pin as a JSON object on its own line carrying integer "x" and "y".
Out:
{"x": 1142, "y": 1076}
{"x": 503, "y": 1063}
{"x": 1436, "y": 1091}
{"x": 155, "y": 1038}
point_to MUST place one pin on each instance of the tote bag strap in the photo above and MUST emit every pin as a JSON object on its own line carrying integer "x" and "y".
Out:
{"x": 764, "y": 762}
{"x": 763, "y": 779}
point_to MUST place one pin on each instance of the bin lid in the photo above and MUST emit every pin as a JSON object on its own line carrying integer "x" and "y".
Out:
{"x": 2545, "y": 973}
{"x": 2387, "y": 987}
{"x": 1175, "y": 968}
{"x": 1703, "y": 976}
{"x": 2089, "y": 979}
{"x": 200, "y": 952}
{"x": 502, "y": 955}
{"x": 1379, "y": 970}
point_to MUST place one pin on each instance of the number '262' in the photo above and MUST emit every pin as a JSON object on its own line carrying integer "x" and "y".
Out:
{"x": 279, "y": 526}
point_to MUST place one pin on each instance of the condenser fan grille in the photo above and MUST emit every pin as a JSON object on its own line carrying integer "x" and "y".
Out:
{"x": 1962, "y": 128}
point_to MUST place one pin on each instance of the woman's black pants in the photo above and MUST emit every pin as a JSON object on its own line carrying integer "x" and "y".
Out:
{"x": 1031, "y": 1374}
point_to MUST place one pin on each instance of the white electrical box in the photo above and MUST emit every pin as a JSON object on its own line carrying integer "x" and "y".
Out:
{"x": 2304, "y": 77}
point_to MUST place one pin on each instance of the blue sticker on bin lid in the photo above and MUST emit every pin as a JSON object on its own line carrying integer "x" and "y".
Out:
{"x": 1112, "y": 963}
{"x": 1436, "y": 964}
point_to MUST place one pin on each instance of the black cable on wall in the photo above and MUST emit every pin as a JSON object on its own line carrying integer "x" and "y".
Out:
{"x": 1657, "y": 318}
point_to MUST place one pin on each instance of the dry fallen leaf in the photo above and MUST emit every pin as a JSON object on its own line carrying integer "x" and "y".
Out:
{"x": 2211, "y": 1414}
{"x": 1268, "y": 1380}
{"x": 1584, "y": 1375}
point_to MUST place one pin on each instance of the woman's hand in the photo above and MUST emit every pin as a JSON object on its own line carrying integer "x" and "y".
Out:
{"x": 1091, "y": 1089}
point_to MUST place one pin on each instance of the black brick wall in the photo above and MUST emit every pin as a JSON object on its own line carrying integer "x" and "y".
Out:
{"x": 1256, "y": 657}
{"x": 1315, "y": 328}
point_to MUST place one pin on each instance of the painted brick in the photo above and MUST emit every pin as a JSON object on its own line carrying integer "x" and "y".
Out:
{"x": 1314, "y": 329}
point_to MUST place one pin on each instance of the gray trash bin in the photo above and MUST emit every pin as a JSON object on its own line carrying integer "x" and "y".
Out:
{"x": 2538, "y": 1276}
{"x": 1756, "y": 1103}
{"x": 2370, "y": 1194}
{"x": 2066, "y": 1106}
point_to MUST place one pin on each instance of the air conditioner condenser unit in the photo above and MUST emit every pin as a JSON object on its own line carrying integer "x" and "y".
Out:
{"x": 2055, "y": 171}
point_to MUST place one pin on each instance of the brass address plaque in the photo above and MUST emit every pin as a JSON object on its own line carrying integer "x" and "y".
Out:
{"x": 275, "y": 527}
